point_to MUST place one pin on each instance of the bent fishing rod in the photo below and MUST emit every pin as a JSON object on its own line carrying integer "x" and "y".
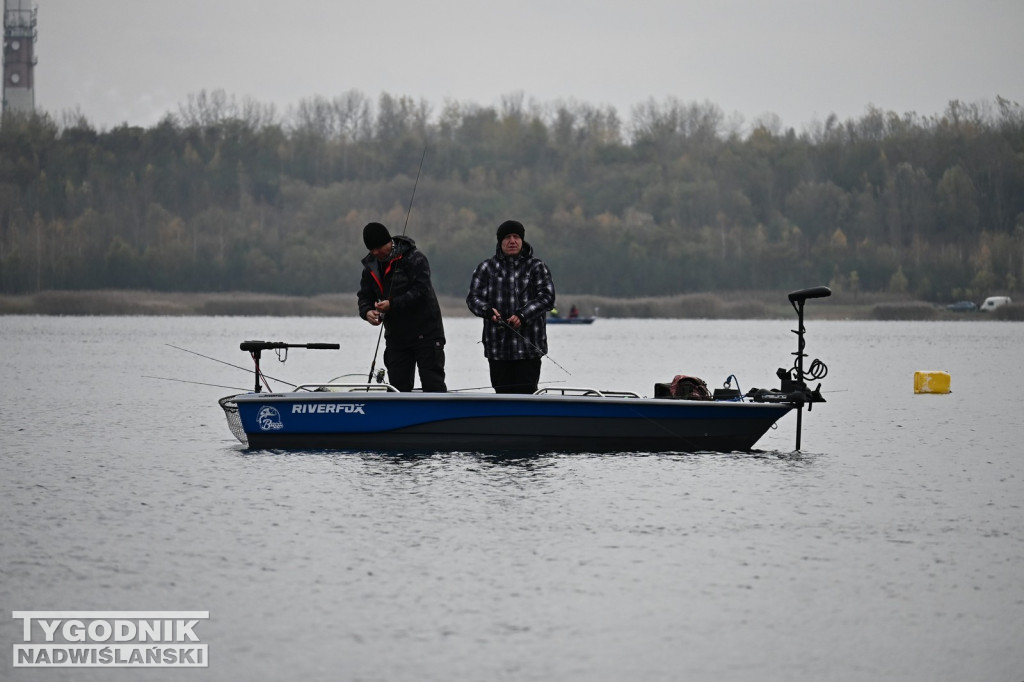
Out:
{"x": 537, "y": 348}
{"x": 369, "y": 378}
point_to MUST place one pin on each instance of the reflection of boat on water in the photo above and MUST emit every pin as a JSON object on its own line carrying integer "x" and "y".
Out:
{"x": 571, "y": 320}
{"x": 376, "y": 417}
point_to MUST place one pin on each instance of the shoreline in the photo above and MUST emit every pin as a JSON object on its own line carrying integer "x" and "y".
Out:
{"x": 724, "y": 305}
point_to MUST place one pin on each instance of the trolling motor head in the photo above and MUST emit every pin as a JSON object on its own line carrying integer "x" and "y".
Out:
{"x": 802, "y": 295}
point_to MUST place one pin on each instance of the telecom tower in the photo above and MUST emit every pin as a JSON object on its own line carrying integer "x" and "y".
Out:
{"x": 19, "y": 93}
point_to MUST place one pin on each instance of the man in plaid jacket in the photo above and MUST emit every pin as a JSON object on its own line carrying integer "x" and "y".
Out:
{"x": 513, "y": 292}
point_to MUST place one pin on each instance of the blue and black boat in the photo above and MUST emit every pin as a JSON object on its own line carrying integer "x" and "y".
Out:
{"x": 376, "y": 417}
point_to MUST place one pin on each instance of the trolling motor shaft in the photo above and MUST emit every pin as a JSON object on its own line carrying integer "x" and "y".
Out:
{"x": 793, "y": 381}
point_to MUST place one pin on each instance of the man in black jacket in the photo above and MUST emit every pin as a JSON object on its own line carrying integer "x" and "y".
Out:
{"x": 395, "y": 289}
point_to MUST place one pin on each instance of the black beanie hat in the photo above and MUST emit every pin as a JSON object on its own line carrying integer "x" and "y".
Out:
{"x": 510, "y": 227}
{"x": 375, "y": 236}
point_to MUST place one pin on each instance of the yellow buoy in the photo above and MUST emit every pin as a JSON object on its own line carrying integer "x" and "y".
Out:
{"x": 931, "y": 382}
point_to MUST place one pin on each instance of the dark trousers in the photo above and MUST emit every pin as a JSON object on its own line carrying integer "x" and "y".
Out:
{"x": 428, "y": 355}
{"x": 515, "y": 376}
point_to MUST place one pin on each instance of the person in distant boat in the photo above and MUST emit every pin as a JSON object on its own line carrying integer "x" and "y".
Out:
{"x": 513, "y": 292}
{"x": 395, "y": 289}
{"x": 574, "y": 312}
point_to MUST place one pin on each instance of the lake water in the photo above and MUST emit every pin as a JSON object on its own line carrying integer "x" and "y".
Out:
{"x": 891, "y": 547}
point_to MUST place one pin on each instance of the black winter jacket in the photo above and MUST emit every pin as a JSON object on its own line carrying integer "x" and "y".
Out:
{"x": 415, "y": 315}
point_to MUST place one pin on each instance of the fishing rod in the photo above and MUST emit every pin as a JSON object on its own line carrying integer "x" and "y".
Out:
{"x": 535, "y": 346}
{"x": 369, "y": 378}
{"x": 244, "y": 369}
{"x": 480, "y": 388}
{"x": 197, "y": 383}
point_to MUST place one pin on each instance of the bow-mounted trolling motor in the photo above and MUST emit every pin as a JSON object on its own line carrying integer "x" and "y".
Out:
{"x": 255, "y": 349}
{"x": 794, "y": 389}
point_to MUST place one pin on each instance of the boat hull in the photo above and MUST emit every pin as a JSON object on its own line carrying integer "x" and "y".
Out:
{"x": 407, "y": 422}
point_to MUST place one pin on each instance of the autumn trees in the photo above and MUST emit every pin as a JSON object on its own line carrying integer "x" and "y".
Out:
{"x": 228, "y": 195}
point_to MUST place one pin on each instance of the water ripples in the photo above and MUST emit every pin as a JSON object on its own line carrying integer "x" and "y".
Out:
{"x": 898, "y": 531}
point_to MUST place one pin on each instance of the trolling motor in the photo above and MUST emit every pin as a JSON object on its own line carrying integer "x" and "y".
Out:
{"x": 793, "y": 388}
{"x": 255, "y": 348}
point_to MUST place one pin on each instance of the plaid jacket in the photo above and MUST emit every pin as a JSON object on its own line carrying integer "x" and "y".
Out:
{"x": 513, "y": 286}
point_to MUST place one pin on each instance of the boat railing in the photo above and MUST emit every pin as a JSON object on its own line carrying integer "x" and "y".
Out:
{"x": 347, "y": 387}
{"x": 574, "y": 391}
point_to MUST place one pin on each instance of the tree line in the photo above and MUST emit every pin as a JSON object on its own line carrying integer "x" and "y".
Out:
{"x": 228, "y": 195}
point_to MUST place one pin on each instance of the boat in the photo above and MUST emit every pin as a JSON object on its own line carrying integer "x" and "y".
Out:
{"x": 571, "y": 320}
{"x": 375, "y": 417}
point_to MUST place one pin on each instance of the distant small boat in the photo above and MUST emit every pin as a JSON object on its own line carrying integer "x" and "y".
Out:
{"x": 571, "y": 320}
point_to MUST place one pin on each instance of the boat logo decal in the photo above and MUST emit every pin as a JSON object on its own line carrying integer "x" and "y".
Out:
{"x": 269, "y": 419}
{"x": 327, "y": 408}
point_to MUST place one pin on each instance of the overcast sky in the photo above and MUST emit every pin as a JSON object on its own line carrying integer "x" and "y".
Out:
{"x": 132, "y": 61}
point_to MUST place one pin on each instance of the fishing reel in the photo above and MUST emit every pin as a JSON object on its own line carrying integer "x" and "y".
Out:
{"x": 379, "y": 376}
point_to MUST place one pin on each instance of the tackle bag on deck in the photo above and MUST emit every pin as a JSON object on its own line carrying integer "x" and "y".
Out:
{"x": 683, "y": 387}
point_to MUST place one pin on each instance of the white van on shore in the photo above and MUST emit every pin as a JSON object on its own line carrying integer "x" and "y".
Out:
{"x": 993, "y": 302}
